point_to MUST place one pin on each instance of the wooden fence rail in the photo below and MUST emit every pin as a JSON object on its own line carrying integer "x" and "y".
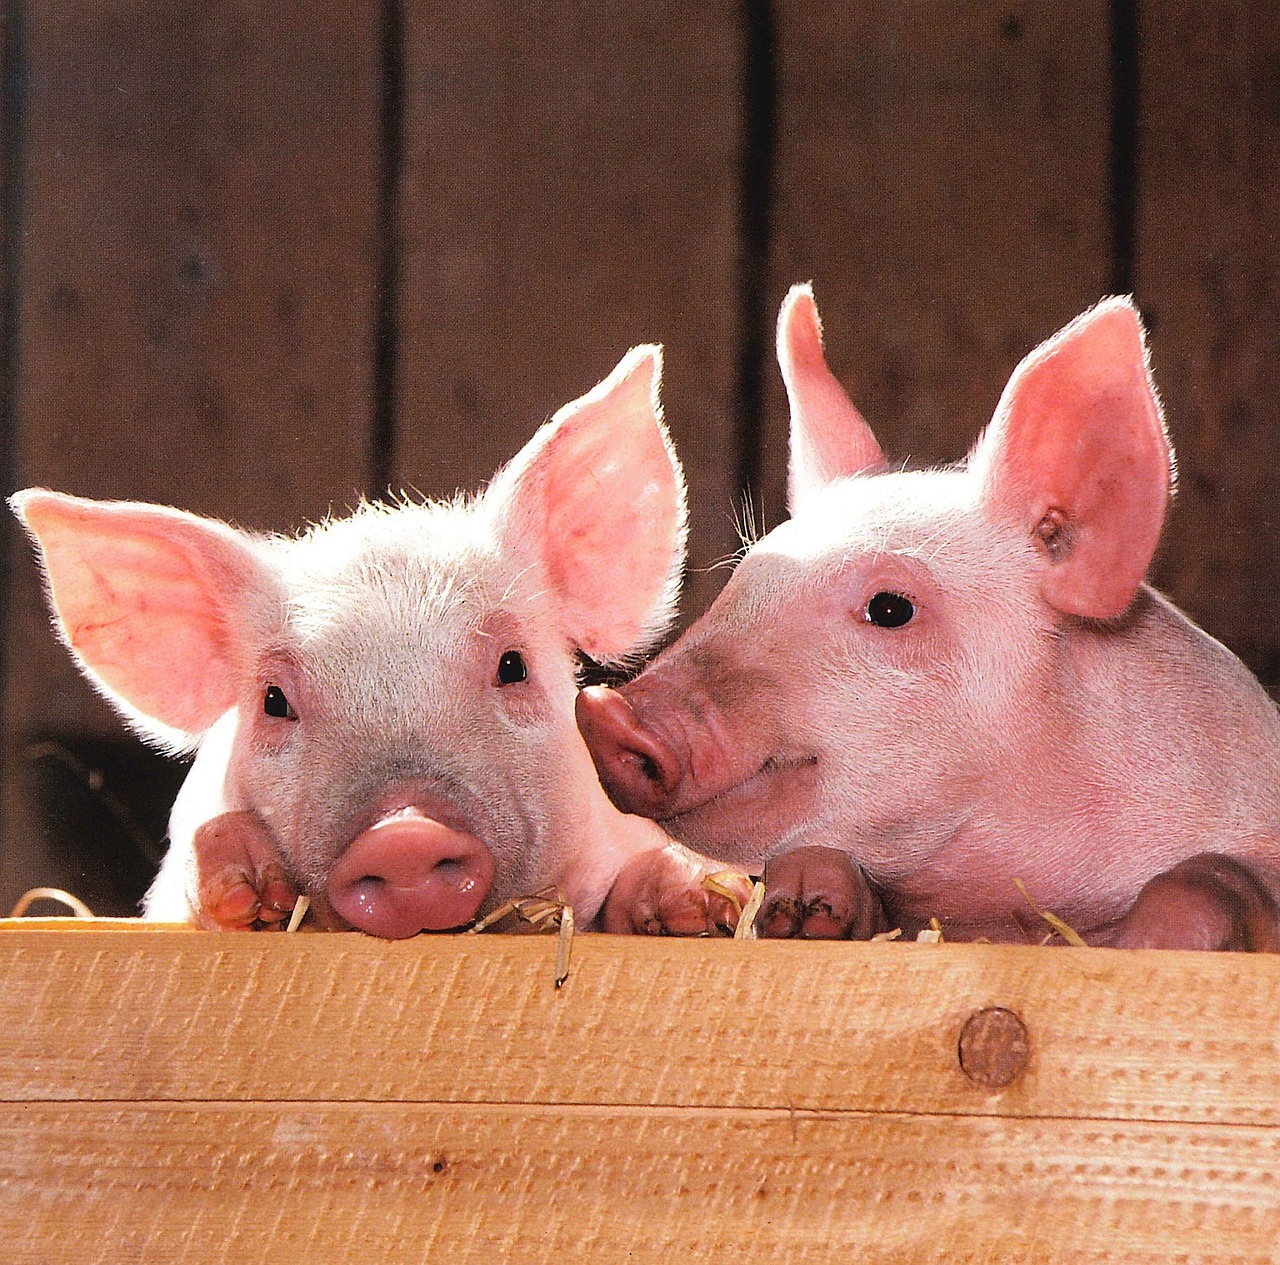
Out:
{"x": 173, "y": 1096}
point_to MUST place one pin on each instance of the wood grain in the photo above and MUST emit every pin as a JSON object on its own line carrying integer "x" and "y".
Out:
{"x": 371, "y": 1181}
{"x": 944, "y": 184}
{"x": 786, "y": 1026}
{"x": 569, "y": 190}
{"x": 1207, "y": 274}
{"x": 185, "y": 1095}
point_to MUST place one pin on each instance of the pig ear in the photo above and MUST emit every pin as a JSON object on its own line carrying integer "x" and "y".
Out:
{"x": 829, "y": 438}
{"x": 150, "y": 602}
{"x": 1077, "y": 453}
{"x": 599, "y": 493}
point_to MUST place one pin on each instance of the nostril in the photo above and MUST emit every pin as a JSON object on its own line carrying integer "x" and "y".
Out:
{"x": 410, "y": 874}
{"x": 462, "y": 878}
{"x": 639, "y": 769}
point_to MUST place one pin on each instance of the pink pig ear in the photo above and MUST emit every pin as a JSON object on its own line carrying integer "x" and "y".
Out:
{"x": 829, "y": 438}
{"x": 146, "y": 598}
{"x": 1078, "y": 453}
{"x": 600, "y": 494}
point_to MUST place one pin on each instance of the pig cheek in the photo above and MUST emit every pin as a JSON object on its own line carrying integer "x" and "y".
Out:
{"x": 523, "y": 771}
{"x": 882, "y": 723}
{"x": 270, "y": 768}
{"x": 540, "y": 806}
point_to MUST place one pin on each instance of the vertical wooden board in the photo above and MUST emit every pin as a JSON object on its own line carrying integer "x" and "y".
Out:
{"x": 942, "y": 178}
{"x": 1207, "y": 273}
{"x": 198, "y": 269}
{"x": 10, "y": 132}
{"x": 569, "y": 190}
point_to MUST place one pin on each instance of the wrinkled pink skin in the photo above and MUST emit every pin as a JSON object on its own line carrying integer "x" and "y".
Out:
{"x": 358, "y": 739}
{"x": 1043, "y": 716}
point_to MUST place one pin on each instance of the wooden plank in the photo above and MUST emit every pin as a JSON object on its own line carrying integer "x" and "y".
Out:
{"x": 569, "y": 190}
{"x": 1140, "y": 1036}
{"x": 370, "y": 1181}
{"x": 944, "y": 183}
{"x": 1207, "y": 273}
{"x": 198, "y": 271}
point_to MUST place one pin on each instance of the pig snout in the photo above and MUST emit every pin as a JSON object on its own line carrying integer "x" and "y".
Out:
{"x": 639, "y": 770}
{"x": 409, "y": 873}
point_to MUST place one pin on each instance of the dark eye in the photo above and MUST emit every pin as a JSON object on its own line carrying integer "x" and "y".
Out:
{"x": 890, "y": 610}
{"x": 275, "y": 704}
{"x": 511, "y": 669}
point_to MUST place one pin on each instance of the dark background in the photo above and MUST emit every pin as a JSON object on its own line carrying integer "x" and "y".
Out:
{"x": 259, "y": 260}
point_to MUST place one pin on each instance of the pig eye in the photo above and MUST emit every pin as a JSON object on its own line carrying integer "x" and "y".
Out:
{"x": 275, "y": 704}
{"x": 511, "y": 669}
{"x": 889, "y": 610}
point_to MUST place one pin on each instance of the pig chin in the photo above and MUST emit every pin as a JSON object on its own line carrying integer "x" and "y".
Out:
{"x": 742, "y": 820}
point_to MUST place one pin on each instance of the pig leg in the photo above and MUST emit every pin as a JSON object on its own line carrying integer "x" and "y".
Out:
{"x": 662, "y": 893}
{"x": 1209, "y": 901}
{"x": 240, "y": 883}
{"x": 819, "y": 894}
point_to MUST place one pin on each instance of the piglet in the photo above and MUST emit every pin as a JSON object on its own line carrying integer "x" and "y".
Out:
{"x": 382, "y": 707}
{"x": 949, "y": 694}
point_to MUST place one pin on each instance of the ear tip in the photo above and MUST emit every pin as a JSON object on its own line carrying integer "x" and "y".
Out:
{"x": 645, "y": 356}
{"x": 799, "y": 326}
{"x": 1120, "y": 312}
{"x": 633, "y": 384}
{"x": 801, "y": 292}
{"x": 800, "y": 302}
{"x": 640, "y": 369}
{"x": 29, "y": 503}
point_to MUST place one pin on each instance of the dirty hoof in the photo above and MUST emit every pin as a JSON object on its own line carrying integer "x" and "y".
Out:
{"x": 665, "y": 892}
{"x": 1209, "y": 901}
{"x": 818, "y": 894}
{"x": 240, "y": 883}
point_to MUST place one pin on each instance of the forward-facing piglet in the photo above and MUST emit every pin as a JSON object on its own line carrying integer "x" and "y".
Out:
{"x": 382, "y": 707}
{"x": 928, "y": 687}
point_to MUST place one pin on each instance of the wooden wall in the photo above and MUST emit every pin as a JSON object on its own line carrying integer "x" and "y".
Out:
{"x": 258, "y": 262}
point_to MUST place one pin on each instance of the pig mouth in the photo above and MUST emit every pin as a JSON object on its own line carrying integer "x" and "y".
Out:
{"x": 770, "y": 797}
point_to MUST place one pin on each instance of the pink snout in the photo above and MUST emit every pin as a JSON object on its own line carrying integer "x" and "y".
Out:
{"x": 638, "y": 770}
{"x": 409, "y": 873}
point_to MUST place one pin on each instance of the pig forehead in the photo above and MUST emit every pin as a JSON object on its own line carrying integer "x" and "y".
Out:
{"x": 909, "y": 512}
{"x": 418, "y": 585}
{"x": 436, "y": 535}
{"x": 409, "y": 604}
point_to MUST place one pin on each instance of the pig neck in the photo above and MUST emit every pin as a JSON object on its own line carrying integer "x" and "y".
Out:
{"x": 1147, "y": 743}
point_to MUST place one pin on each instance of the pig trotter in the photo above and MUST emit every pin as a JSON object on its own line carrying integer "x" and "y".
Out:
{"x": 240, "y": 883}
{"x": 818, "y": 894}
{"x": 1209, "y": 901}
{"x": 661, "y": 893}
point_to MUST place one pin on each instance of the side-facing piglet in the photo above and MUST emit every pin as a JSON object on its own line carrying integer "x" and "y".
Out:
{"x": 949, "y": 693}
{"x": 382, "y": 707}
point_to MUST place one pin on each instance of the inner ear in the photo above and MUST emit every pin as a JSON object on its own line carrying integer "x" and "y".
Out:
{"x": 152, "y": 603}
{"x": 1077, "y": 454}
{"x": 599, "y": 494}
{"x": 1053, "y": 532}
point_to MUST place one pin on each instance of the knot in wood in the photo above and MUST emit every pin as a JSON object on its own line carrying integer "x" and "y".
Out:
{"x": 995, "y": 1047}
